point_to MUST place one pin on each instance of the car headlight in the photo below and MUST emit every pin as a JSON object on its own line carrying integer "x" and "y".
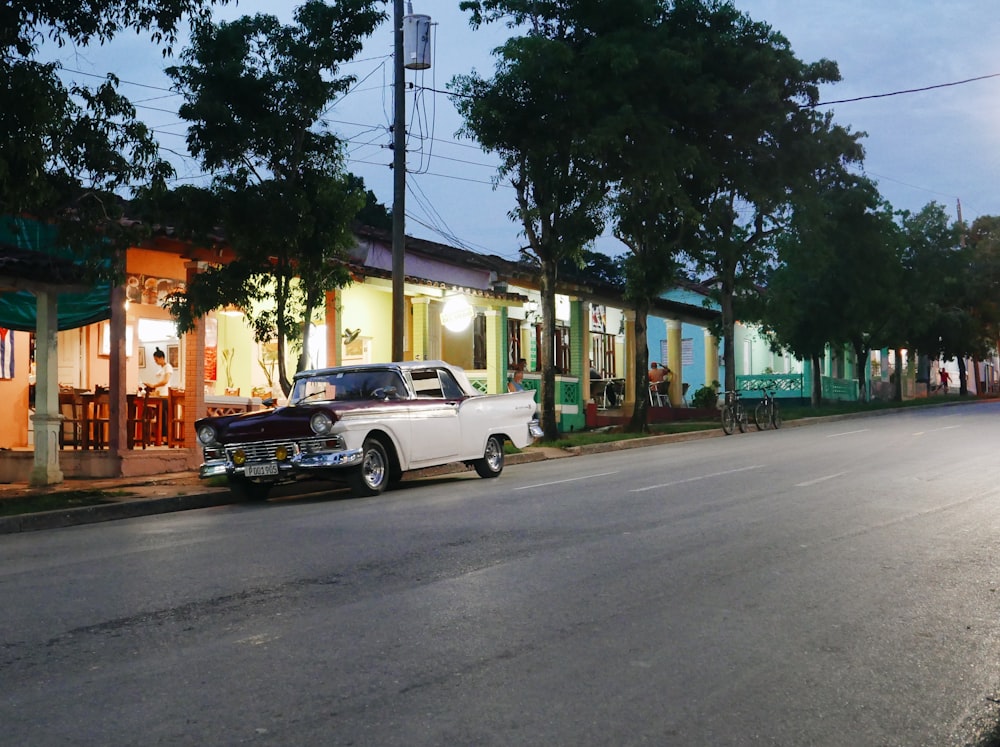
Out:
{"x": 321, "y": 423}
{"x": 207, "y": 434}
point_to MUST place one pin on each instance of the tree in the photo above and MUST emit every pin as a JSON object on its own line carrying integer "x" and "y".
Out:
{"x": 760, "y": 139}
{"x": 538, "y": 114}
{"x": 935, "y": 321}
{"x": 651, "y": 152}
{"x": 838, "y": 276}
{"x": 70, "y": 151}
{"x": 255, "y": 94}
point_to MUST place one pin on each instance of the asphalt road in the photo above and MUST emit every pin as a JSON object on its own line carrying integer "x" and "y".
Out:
{"x": 830, "y": 585}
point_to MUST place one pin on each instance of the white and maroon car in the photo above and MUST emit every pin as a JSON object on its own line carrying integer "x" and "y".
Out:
{"x": 367, "y": 425}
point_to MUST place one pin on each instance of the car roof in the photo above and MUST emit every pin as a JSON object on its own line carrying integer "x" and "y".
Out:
{"x": 398, "y": 365}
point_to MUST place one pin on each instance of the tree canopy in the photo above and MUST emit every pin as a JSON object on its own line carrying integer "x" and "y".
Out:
{"x": 71, "y": 151}
{"x": 255, "y": 94}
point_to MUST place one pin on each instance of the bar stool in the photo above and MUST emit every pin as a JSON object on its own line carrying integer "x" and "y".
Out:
{"x": 175, "y": 417}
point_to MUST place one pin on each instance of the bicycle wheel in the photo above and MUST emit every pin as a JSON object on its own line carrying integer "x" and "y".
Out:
{"x": 775, "y": 416}
{"x": 760, "y": 416}
{"x": 741, "y": 417}
{"x": 728, "y": 420}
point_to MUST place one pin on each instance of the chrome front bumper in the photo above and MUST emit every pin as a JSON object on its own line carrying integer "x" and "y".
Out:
{"x": 288, "y": 468}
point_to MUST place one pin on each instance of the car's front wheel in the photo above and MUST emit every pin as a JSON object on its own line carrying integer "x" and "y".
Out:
{"x": 372, "y": 475}
{"x": 248, "y": 490}
{"x": 491, "y": 465}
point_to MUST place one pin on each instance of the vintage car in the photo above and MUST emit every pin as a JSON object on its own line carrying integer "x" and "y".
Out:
{"x": 367, "y": 425}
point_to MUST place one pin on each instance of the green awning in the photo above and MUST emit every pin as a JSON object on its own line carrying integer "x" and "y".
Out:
{"x": 18, "y": 310}
{"x": 29, "y": 251}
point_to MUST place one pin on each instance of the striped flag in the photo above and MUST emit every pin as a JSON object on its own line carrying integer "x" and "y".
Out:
{"x": 6, "y": 353}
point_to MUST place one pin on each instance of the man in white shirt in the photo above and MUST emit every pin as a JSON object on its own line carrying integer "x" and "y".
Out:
{"x": 161, "y": 382}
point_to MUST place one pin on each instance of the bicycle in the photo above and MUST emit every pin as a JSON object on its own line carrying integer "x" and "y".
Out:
{"x": 767, "y": 413}
{"x": 734, "y": 415}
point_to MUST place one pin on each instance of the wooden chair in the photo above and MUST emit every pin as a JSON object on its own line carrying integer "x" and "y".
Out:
{"x": 100, "y": 420}
{"x": 175, "y": 417}
{"x": 150, "y": 420}
{"x": 74, "y": 420}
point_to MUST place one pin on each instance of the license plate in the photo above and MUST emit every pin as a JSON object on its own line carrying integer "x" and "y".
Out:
{"x": 263, "y": 469}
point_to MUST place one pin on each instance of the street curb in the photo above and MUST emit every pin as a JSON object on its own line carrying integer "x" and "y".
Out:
{"x": 112, "y": 511}
{"x": 211, "y": 497}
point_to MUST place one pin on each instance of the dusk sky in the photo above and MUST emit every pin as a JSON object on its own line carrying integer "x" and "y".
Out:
{"x": 940, "y": 144}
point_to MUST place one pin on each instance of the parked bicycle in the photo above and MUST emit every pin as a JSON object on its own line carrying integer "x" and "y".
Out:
{"x": 734, "y": 415}
{"x": 767, "y": 414}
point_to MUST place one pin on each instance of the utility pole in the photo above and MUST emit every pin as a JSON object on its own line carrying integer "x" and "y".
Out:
{"x": 399, "y": 186}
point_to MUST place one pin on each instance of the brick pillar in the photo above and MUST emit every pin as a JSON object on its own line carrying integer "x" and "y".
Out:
{"x": 194, "y": 376}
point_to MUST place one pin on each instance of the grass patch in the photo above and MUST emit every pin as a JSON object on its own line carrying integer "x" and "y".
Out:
{"x": 788, "y": 412}
{"x": 56, "y": 501}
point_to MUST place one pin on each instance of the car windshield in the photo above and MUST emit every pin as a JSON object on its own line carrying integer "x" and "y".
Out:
{"x": 344, "y": 386}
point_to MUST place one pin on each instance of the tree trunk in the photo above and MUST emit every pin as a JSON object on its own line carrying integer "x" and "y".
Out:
{"x": 638, "y": 422}
{"x": 897, "y": 389}
{"x": 728, "y": 343}
{"x": 861, "y": 354}
{"x": 816, "y": 391}
{"x": 963, "y": 376}
{"x": 550, "y": 426}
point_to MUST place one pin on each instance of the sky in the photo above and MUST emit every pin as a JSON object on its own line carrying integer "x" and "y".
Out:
{"x": 940, "y": 144}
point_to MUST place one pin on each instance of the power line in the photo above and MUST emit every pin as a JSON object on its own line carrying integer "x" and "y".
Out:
{"x": 908, "y": 90}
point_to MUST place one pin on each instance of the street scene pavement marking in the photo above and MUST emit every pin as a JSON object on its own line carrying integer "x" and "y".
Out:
{"x": 846, "y": 433}
{"x": 699, "y": 477}
{"x": 935, "y": 430}
{"x": 570, "y": 479}
{"x": 818, "y": 480}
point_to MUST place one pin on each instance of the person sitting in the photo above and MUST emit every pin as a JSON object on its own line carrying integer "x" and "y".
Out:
{"x": 656, "y": 376}
{"x": 516, "y": 383}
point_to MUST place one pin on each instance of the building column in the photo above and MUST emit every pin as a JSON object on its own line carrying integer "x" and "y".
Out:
{"x": 629, "y": 359}
{"x": 711, "y": 357}
{"x": 334, "y": 329}
{"x": 674, "y": 361}
{"x": 194, "y": 375}
{"x": 496, "y": 350}
{"x": 117, "y": 396}
{"x": 421, "y": 327}
{"x": 47, "y": 418}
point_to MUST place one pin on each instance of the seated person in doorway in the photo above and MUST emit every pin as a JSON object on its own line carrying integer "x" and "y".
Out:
{"x": 594, "y": 373}
{"x": 515, "y": 384}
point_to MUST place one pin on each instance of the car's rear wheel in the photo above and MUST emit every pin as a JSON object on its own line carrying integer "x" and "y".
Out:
{"x": 248, "y": 490}
{"x": 491, "y": 465}
{"x": 372, "y": 476}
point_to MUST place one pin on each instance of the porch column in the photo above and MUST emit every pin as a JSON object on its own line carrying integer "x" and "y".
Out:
{"x": 117, "y": 399}
{"x": 496, "y": 351}
{"x": 421, "y": 327}
{"x": 675, "y": 361}
{"x": 629, "y": 359}
{"x": 711, "y": 357}
{"x": 334, "y": 329}
{"x": 47, "y": 418}
{"x": 194, "y": 376}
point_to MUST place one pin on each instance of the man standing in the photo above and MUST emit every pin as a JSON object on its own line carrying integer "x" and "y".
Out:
{"x": 161, "y": 378}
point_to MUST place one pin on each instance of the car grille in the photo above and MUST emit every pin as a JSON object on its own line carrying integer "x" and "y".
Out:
{"x": 262, "y": 451}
